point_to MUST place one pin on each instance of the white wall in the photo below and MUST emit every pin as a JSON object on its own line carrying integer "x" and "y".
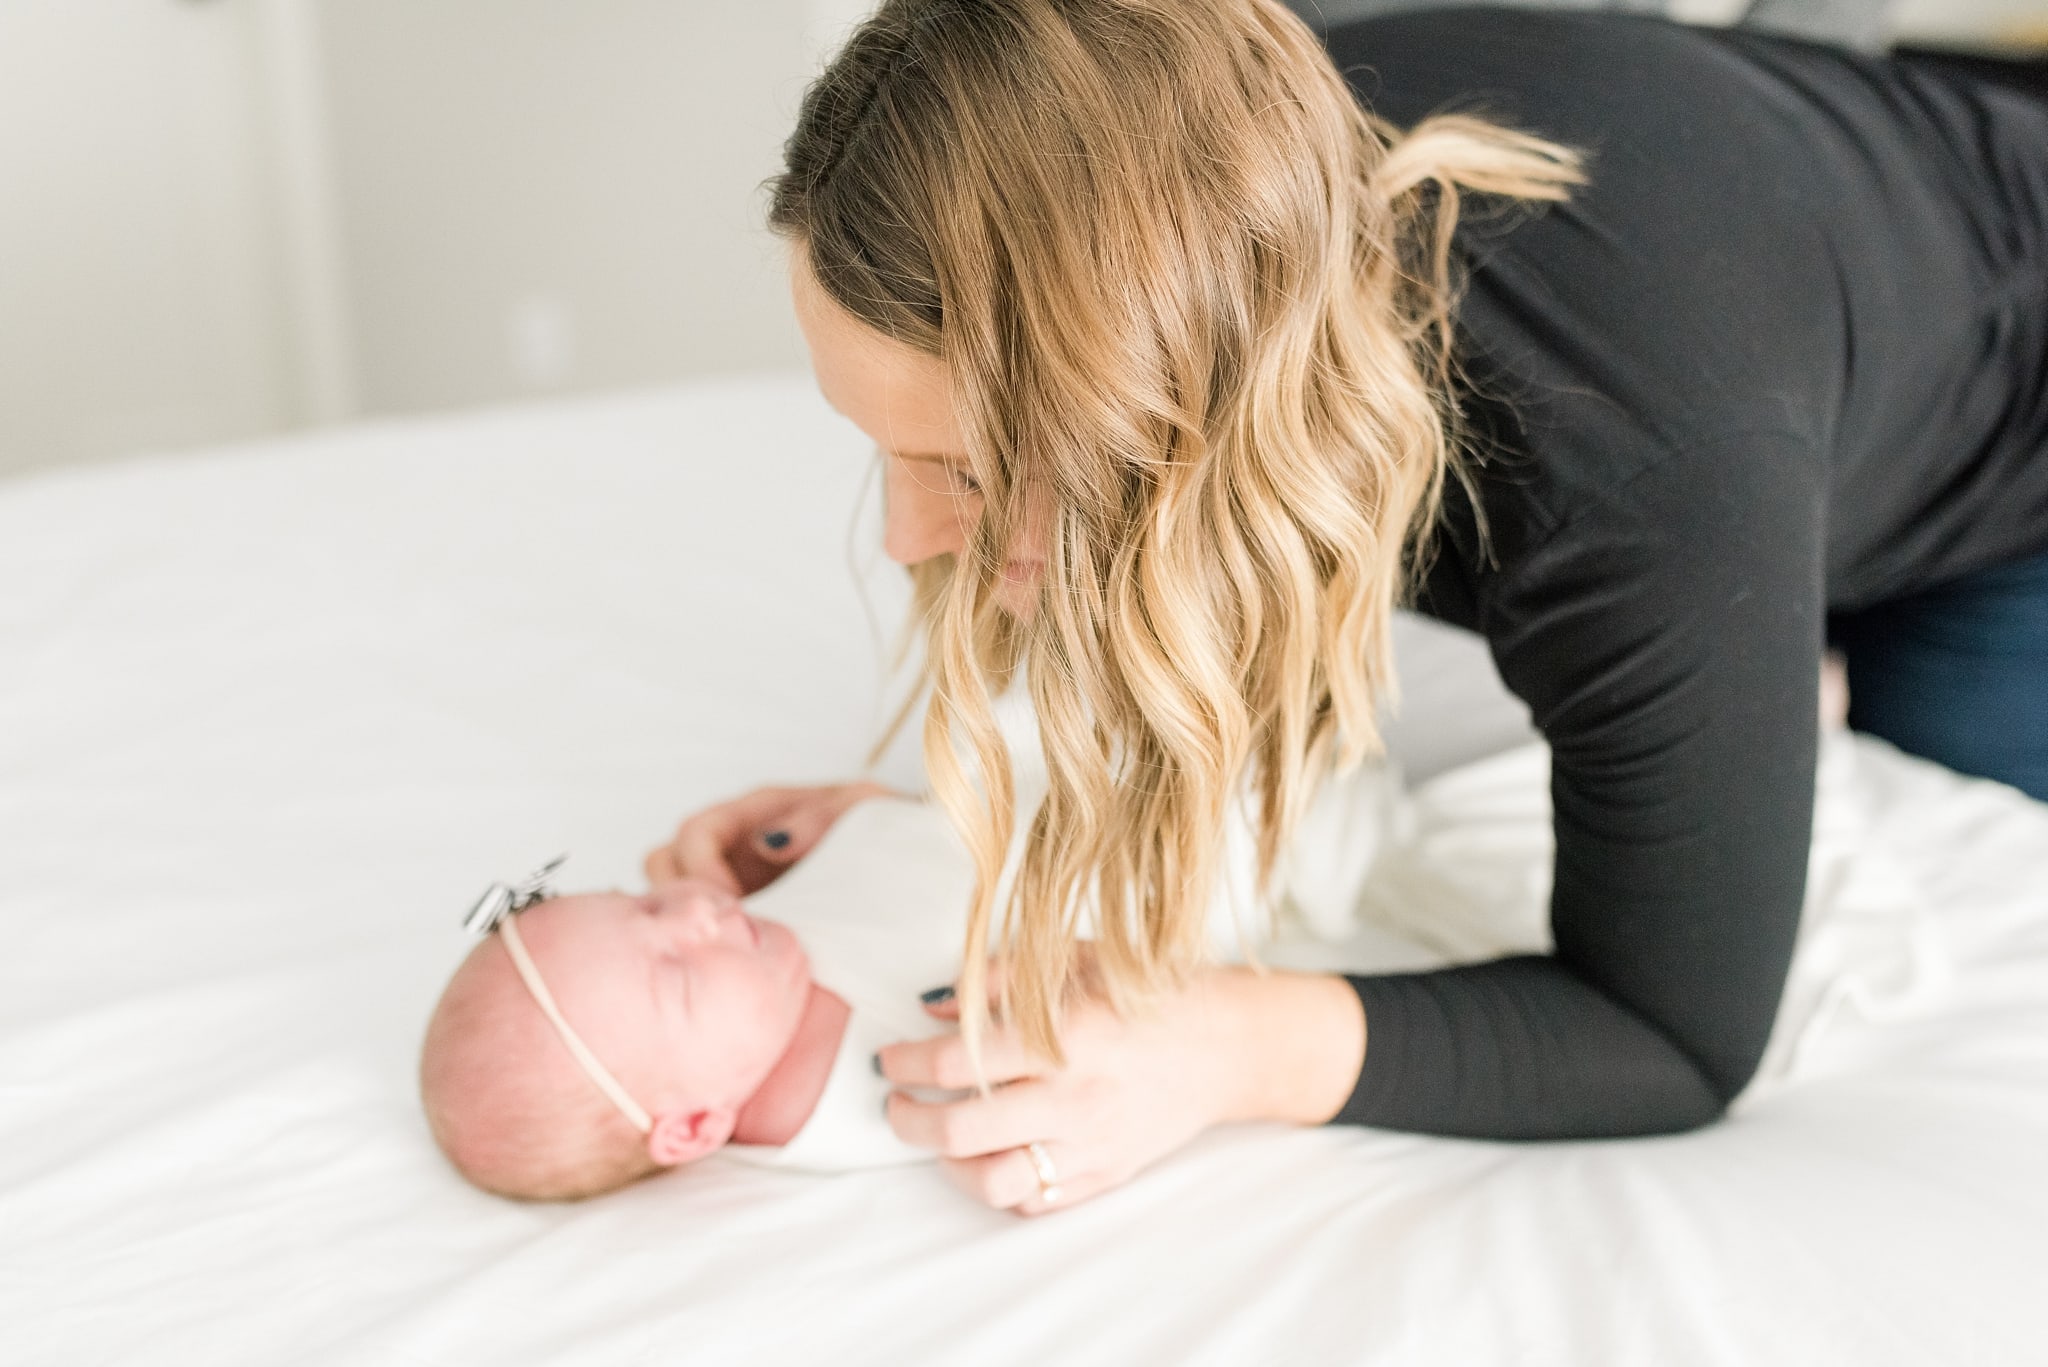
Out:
{"x": 539, "y": 196}
{"x": 1965, "y": 23}
{"x": 827, "y": 22}
{"x": 219, "y": 219}
{"x": 139, "y": 272}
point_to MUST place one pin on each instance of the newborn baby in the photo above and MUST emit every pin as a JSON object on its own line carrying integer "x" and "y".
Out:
{"x": 654, "y": 1030}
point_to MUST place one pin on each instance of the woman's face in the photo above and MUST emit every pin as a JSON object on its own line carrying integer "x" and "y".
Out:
{"x": 899, "y": 397}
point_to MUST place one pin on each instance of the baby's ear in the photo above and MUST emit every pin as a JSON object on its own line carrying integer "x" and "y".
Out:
{"x": 685, "y": 1136}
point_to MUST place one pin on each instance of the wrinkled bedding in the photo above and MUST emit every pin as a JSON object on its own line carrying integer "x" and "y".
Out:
{"x": 270, "y": 716}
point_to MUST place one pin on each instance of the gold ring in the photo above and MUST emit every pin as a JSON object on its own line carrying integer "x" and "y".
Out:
{"x": 1048, "y": 1175}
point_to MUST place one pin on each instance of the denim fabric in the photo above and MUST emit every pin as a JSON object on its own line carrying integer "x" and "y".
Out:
{"x": 1958, "y": 673}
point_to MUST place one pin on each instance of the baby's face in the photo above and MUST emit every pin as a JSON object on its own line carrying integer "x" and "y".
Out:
{"x": 689, "y": 1000}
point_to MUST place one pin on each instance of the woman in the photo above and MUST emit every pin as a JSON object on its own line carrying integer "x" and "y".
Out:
{"x": 1155, "y": 312}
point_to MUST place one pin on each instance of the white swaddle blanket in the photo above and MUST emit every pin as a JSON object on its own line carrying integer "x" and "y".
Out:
{"x": 880, "y": 906}
{"x": 1469, "y": 876}
{"x": 1316, "y": 887}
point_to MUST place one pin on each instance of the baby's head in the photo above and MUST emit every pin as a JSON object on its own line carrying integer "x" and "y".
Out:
{"x": 680, "y": 996}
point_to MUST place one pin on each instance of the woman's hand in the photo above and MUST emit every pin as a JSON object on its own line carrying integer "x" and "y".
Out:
{"x": 1229, "y": 1045}
{"x": 745, "y": 843}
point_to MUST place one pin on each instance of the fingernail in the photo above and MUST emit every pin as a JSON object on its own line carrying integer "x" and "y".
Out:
{"x": 885, "y": 1105}
{"x": 775, "y": 840}
{"x": 936, "y": 995}
{"x": 875, "y": 1059}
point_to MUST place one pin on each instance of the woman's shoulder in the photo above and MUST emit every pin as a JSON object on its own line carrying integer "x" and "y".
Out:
{"x": 1409, "y": 64}
{"x": 1573, "y": 64}
{"x": 1748, "y": 135}
{"x": 1607, "y": 510}
{"x": 1688, "y": 291}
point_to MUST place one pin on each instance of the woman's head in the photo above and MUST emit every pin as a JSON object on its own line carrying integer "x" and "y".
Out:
{"x": 1174, "y": 315}
{"x": 901, "y": 397}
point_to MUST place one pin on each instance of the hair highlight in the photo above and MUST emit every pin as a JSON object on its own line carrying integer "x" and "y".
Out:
{"x": 1196, "y": 307}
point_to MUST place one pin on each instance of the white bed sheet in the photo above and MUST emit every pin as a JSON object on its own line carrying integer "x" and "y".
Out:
{"x": 270, "y": 716}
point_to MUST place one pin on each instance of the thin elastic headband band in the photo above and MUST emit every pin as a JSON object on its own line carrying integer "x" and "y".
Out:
{"x": 586, "y": 1060}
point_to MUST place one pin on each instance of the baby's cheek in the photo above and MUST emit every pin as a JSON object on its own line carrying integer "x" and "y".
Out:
{"x": 782, "y": 1008}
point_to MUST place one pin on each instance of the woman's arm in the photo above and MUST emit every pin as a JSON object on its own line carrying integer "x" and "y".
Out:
{"x": 1665, "y": 641}
{"x": 1666, "y": 644}
{"x": 1291, "y": 1047}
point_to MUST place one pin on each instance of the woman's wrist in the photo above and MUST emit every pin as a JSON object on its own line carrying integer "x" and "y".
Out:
{"x": 1290, "y": 1045}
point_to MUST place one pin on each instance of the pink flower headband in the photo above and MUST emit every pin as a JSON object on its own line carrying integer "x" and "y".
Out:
{"x": 496, "y": 910}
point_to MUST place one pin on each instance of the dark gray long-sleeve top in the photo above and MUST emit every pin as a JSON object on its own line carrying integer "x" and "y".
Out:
{"x": 1788, "y": 352}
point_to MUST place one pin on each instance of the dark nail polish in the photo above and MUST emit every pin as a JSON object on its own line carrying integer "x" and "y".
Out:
{"x": 936, "y": 995}
{"x": 885, "y": 1105}
{"x": 875, "y": 1060}
{"x": 775, "y": 840}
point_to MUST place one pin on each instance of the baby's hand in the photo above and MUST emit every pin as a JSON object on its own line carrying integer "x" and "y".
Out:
{"x": 745, "y": 843}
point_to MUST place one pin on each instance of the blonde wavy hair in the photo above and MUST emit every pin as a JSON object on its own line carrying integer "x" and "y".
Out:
{"x": 1197, "y": 301}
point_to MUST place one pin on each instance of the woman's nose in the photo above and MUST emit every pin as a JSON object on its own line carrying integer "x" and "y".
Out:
{"x": 919, "y": 521}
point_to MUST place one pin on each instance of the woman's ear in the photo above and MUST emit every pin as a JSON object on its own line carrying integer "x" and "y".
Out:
{"x": 685, "y": 1136}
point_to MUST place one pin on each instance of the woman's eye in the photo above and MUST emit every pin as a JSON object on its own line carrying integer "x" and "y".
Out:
{"x": 964, "y": 482}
